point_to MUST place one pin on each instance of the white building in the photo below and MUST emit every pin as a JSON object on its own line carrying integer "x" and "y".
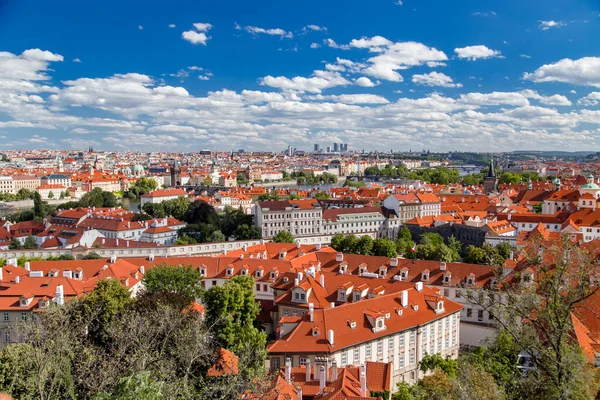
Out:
{"x": 160, "y": 195}
{"x": 299, "y": 217}
{"x": 7, "y": 185}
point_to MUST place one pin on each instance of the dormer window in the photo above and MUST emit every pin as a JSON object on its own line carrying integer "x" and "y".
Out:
{"x": 203, "y": 271}
{"x": 382, "y": 271}
{"x": 357, "y": 296}
{"x": 315, "y": 331}
{"x": 387, "y": 315}
{"x": 425, "y": 275}
{"x": 404, "y": 274}
{"x": 229, "y": 271}
{"x": 471, "y": 279}
{"x": 415, "y": 307}
{"x": 273, "y": 275}
{"x": 341, "y": 295}
{"x": 244, "y": 271}
{"x": 352, "y": 324}
{"x": 43, "y": 303}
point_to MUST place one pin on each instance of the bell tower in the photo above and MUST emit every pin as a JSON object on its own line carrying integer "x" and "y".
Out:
{"x": 175, "y": 174}
{"x": 490, "y": 181}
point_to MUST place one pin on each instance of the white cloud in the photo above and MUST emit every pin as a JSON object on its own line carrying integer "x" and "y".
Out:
{"x": 205, "y": 77}
{"x": 140, "y": 27}
{"x": 331, "y": 43}
{"x": 76, "y": 60}
{"x": 554, "y": 100}
{"x": 484, "y": 14}
{"x": 315, "y": 28}
{"x": 352, "y": 98}
{"x": 434, "y": 64}
{"x": 275, "y": 31}
{"x": 199, "y": 35}
{"x": 398, "y": 3}
{"x": 29, "y": 66}
{"x": 195, "y": 37}
{"x": 319, "y": 81}
{"x": 395, "y": 56}
{"x": 202, "y": 26}
{"x": 172, "y": 26}
{"x": 365, "y": 82}
{"x": 524, "y": 56}
{"x": 315, "y": 45}
{"x": 591, "y": 99}
{"x": 435, "y": 79}
{"x": 495, "y": 99}
{"x": 476, "y": 52}
{"x": 584, "y": 71}
{"x": 80, "y": 131}
{"x": 545, "y": 25}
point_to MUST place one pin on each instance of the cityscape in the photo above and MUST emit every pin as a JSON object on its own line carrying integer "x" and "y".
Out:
{"x": 300, "y": 202}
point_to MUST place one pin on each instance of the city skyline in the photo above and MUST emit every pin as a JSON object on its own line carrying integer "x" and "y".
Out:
{"x": 391, "y": 76}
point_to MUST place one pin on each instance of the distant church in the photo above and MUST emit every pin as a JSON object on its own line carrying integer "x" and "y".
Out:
{"x": 490, "y": 181}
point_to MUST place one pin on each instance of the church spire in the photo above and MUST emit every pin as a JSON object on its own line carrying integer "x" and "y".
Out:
{"x": 491, "y": 170}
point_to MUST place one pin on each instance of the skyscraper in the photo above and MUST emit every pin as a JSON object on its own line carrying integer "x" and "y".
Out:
{"x": 316, "y": 147}
{"x": 336, "y": 147}
{"x": 290, "y": 151}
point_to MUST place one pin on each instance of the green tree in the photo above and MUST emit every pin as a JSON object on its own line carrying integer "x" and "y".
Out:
{"x": 51, "y": 194}
{"x": 474, "y": 255}
{"x": 216, "y": 236}
{"x": 405, "y": 234}
{"x": 537, "y": 208}
{"x": 30, "y": 243}
{"x": 183, "y": 240}
{"x": 322, "y": 196}
{"x": 184, "y": 281}
{"x": 384, "y": 248}
{"x": 246, "y": 232}
{"x": 242, "y": 179}
{"x": 39, "y": 207}
{"x": 336, "y": 241}
{"x": 434, "y": 361}
{"x": 364, "y": 245}
{"x": 200, "y": 212}
{"x": 15, "y": 244}
{"x": 138, "y": 387}
{"x": 504, "y": 249}
{"x": 108, "y": 299}
{"x": 456, "y": 246}
{"x": 283, "y": 237}
{"x": 92, "y": 256}
{"x": 349, "y": 244}
{"x": 232, "y": 310}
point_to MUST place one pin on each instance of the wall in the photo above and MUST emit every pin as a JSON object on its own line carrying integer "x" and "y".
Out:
{"x": 170, "y": 251}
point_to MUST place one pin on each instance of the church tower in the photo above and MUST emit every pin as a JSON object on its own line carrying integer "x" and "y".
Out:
{"x": 175, "y": 174}
{"x": 490, "y": 182}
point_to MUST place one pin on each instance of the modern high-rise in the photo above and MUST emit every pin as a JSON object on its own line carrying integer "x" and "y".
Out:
{"x": 316, "y": 148}
{"x": 329, "y": 149}
{"x": 336, "y": 147}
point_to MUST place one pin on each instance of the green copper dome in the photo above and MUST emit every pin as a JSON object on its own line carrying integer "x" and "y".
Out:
{"x": 556, "y": 181}
{"x": 590, "y": 186}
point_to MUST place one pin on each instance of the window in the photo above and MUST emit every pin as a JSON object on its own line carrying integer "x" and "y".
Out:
{"x": 480, "y": 315}
{"x": 344, "y": 358}
{"x": 412, "y": 357}
{"x": 401, "y": 360}
{"x": 412, "y": 336}
{"x": 458, "y": 294}
{"x": 469, "y": 312}
{"x": 356, "y": 356}
{"x": 285, "y": 312}
{"x": 5, "y": 317}
{"x": 446, "y": 292}
{"x": 380, "y": 347}
{"x": 302, "y": 361}
{"x": 391, "y": 343}
{"x": 401, "y": 340}
{"x": 297, "y": 296}
{"x": 302, "y": 296}
{"x": 275, "y": 364}
{"x": 23, "y": 316}
{"x": 368, "y": 352}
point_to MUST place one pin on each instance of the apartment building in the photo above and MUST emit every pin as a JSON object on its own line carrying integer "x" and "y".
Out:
{"x": 299, "y": 217}
{"x": 398, "y": 328}
{"x": 7, "y": 185}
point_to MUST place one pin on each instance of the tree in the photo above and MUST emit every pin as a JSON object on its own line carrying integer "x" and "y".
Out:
{"x": 39, "y": 207}
{"x": 537, "y": 312}
{"x": 247, "y": 232}
{"x": 283, "y": 237}
{"x": 200, "y": 212}
{"x": 242, "y": 179}
{"x": 141, "y": 217}
{"x": 92, "y": 256}
{"x": 30, "y": 243}
{"x": 140, "y": 386}
{"x": 184, "y": 281}
{"x": 474, "y": 255}
{"x": 183, "y": 240}
{"x": 384, "y": 248}
{"x": 216, "y": 236}
{"x": 51, "y": 194}
{"x": 15, "y": 244}
{"x": 504, "y": 249}
{"x": 336, "y": 241}
{"x": 232, "y": 310}
{"x": 108, "y": 299}
{"x": 322, "y": 196}
{"x": 349, "y": 244}
{"x": 537, "y": 208}
{"x": 434, "y": 361}
{"x": 364, "y": 245}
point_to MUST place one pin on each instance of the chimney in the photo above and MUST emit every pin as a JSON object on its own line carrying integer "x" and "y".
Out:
{"x": 17, "y": 279}
{"x": 321, "y": 379}
{"x": 363, "y": 381}
{"x": 142, "y": 269}
{"x": 245, "y": 247}
{"x": 393, "y": 262}
{"x": 300, "y": 276}
{"x": 443, "y": 266}
{"x": 334, "y": 371}
{"x": 512, "y": 255}
{"x": 332, "y": 304}
{"x": 1, "y": 274}
{"x": 419, "y": 286}
{"x": 318, "y": 246}
{"x": 299, "y": 392}
{"x": 296, "y": 282}
{"x": 27, "y": 266}
{"x": 307, "y": 378}
{"x": 297, "y": 245}
{"x": 288, "y": 370}
{"x": 404, "y": 298}
{"x": 339, "y": 257}
{"x": 330, "y": 337}
{"x": 60, "y": 299}
{"x": 311, "y": 312}
{"x": 322, "y": 280}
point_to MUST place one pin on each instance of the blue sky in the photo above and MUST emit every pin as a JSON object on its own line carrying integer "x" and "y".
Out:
{"x": 260, "y": 75}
